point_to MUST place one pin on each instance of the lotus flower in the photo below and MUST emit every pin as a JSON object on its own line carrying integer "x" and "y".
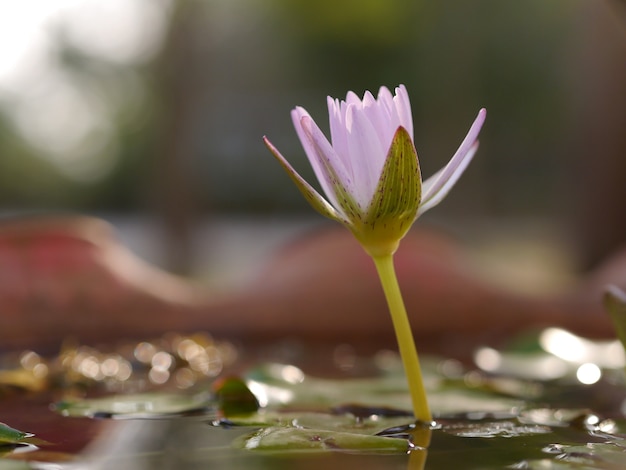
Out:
{"x": 373, "y": 185}
{"x": 370, "y": 172}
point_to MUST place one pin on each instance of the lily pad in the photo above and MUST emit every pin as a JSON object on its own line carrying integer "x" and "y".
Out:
{"x": 9, "y": 435}
{"x": 146, "y": 405}
{"x": 318, "y": 440}
{"x": 10, "y": 464}
{"x": 277, "y": 386}
{"x": 598, "y": 455}
{"x": 312, "y": 420}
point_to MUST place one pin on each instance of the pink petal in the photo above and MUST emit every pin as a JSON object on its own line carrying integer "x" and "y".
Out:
{"x": 445, "y": 185}
{"x": 385, "y": 97}
{"x": 403, "y": 107}
{"x": 444, "y": 179}
{"x": 338, "y": 134}
{"x": 328, "y": 167}
{"x": 378, "y": 119}
{"x": 367, "y": 155}
{"x": 352, "y": 98}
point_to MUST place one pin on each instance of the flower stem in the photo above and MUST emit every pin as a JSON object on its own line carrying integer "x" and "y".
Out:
{"x": 404, "y": 336}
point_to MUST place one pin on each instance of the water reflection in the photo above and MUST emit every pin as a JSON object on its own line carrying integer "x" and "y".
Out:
{"x": 485, "y": 441}
{"x": 588, "y": 373}
{"x": 191, "y": 444}
{"x": 177, "y": 439}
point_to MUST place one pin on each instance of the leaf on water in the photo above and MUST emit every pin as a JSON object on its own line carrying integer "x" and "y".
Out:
{"x": 310, "y": 431}
{"x": 269, "y": 383}
{"x": 304, "y": 439}
{"x": 327, "y": 421}
{"x": 146, "y": 405}
{"x": 553, "y": 417}
{"x": 547, "y": 464}
{"x": 9, "y": 435}
{"x": 10, "y": 464}
{"x": 613, "y": 453}
{"x": 279, "y": 385}
{"x": 448, "y": 402}
{"x": 496, "y": 429}
{"x": 591, "y": 456}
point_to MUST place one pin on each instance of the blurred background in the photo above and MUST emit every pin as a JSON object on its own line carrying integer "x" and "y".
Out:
{"x": 150, "y": 113}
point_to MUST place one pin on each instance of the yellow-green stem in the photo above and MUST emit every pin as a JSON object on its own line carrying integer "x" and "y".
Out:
{"x": 404, "y": 336}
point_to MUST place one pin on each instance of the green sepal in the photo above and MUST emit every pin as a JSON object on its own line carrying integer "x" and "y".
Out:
{"x": 314, "y": 198}
{"x": 396, "y": 200}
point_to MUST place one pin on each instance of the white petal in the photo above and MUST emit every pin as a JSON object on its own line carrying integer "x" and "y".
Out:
{"x": 319, "y": 159}
{"x": 385, "y": 108}
{"x": 385, "y": 97}
{"x": 389, "y": 113}
{"x": 445, "y": 184}
{"x": 372, "y": 110}
{"x": 434, "y": 184}
{"x": 352, "y": 98}
{"x": 338, "y": 132}
{"x": 327, "y": 166}
{"x": 367, "y": 155}
{"x": 403, "y": 107}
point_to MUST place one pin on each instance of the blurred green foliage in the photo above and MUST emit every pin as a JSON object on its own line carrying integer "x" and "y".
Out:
{"x": 229, "y": 72}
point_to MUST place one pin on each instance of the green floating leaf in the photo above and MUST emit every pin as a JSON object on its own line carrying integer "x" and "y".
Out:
{"x": 497, "y": 429}
{"x": 591, "y": 456}
{"x": 318, "y": 440}
{"x": 284, "y": 385}
{"x": 320, "y": 432}
{"x": 9, "y": 435}
{"x": 326, "y": 421}
{"x": 547, "y": 464}
{"x": 146, "y": 405}
{"x": 601, "y": 454}
{"x": 278, "y": 385}
{"x": 10, "y": 464}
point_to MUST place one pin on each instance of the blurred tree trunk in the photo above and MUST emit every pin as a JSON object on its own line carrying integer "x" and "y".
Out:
{"x": 177, "y": 72}
{"x": 598, "y": 195}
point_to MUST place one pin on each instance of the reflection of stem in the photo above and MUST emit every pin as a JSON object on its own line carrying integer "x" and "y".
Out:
{"x": 421, "y": 441}
{"x": 404, "y": 336}
{"x": 417, "y": 459}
